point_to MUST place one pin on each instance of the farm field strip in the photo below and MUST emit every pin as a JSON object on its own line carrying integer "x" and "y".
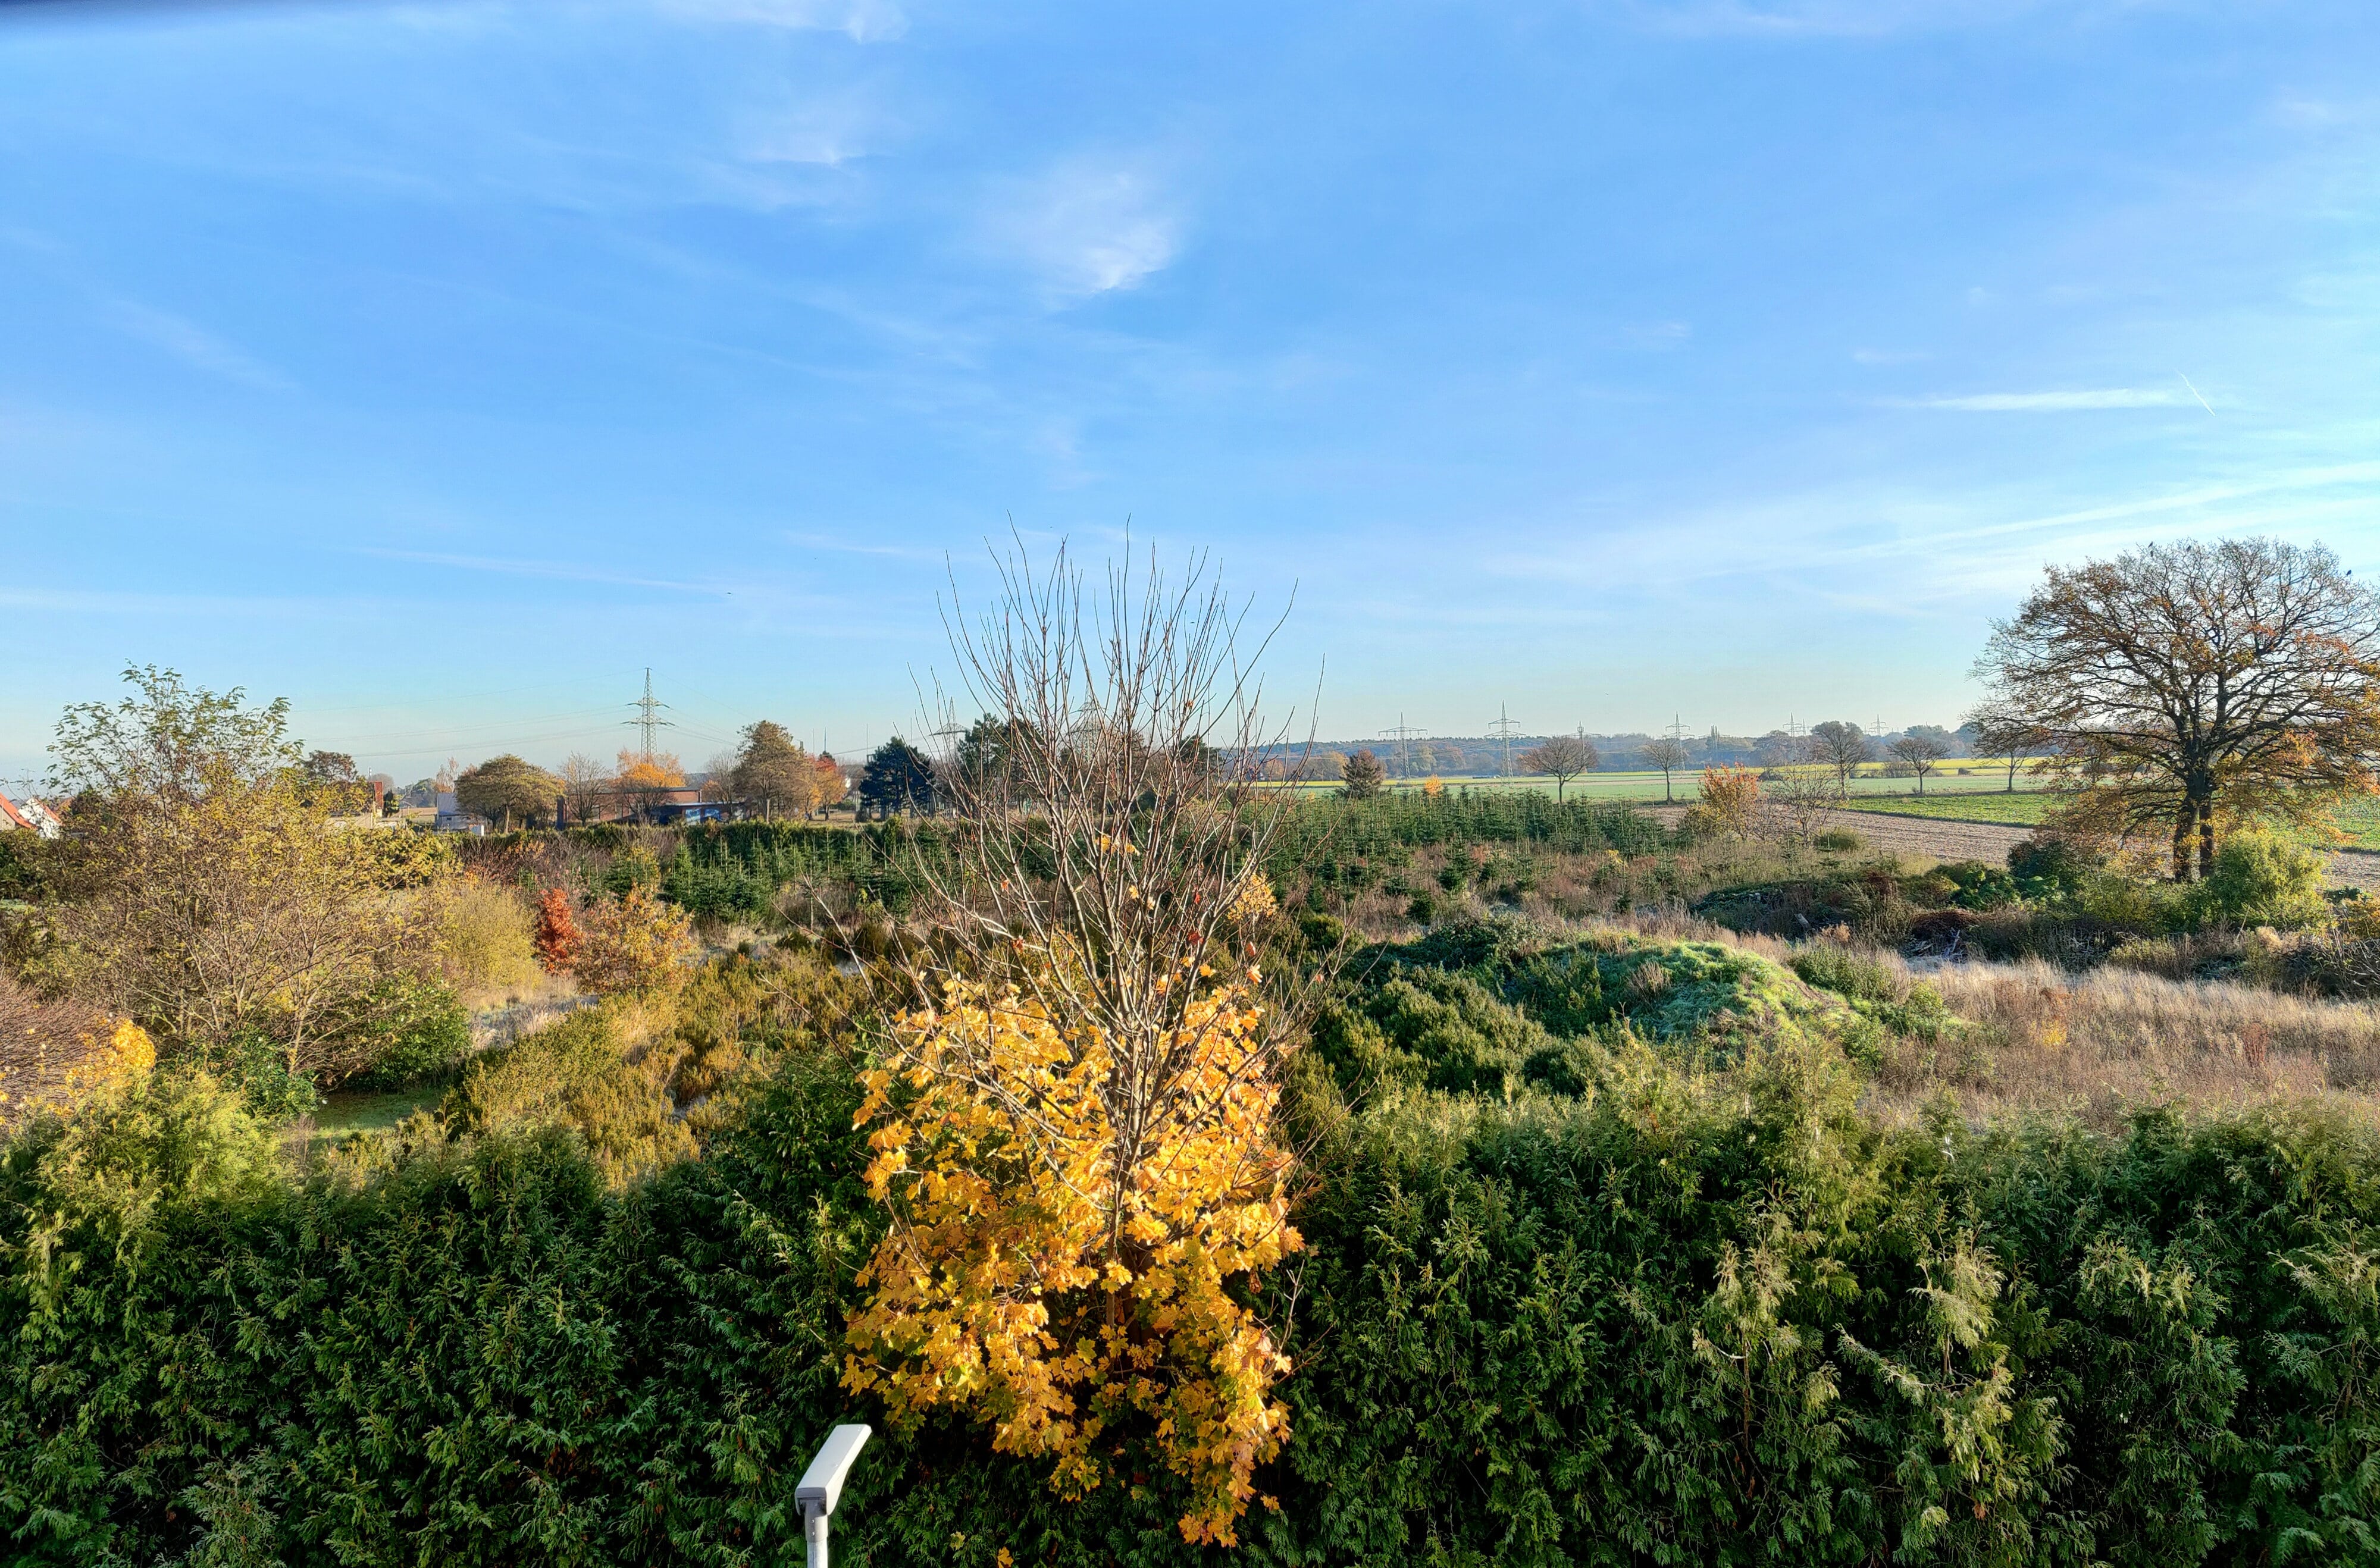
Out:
{"x": 2358, "y": 822}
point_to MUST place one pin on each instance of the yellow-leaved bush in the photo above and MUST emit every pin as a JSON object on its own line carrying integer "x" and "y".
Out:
{"x": 1052, "y": 1272}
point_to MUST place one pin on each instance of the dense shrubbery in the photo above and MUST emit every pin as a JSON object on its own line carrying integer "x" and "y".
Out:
{"x": 1597, "y": 1270}
{"x": 1359, "y": 828}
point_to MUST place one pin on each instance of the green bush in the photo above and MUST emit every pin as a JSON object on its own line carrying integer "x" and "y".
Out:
{"x": 635, "y": 868}
{"x": 588, "y": 1074}
{"x": 253, "y": 1065}
{"x": 421, "y": 1032}
{"x": 1980, "y": 887}
{"x": 2261, "y": 878}
{"x": 2047, "y": 865}
{"x": 1838, "y": 841}
{"x": 1638, "y": 1303}
{"x": 1852, "y": 974}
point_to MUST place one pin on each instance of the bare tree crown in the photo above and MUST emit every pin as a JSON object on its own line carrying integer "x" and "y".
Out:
{"x": 2179, "y": 681}
{"x": 1110, "y": 820}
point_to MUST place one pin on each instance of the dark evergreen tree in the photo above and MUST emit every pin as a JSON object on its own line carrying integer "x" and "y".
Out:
{"x": 898, "y": 778}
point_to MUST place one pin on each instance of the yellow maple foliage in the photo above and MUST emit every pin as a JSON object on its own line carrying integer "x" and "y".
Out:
{"x": 1053, "y": 1273}
{"x": 117, "y": 1051}
{"x": 1255, "y": 900}
{"x": 650, "y": 770}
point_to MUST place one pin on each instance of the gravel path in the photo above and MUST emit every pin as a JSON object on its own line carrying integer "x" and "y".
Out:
{"x": 1989, "y": 842}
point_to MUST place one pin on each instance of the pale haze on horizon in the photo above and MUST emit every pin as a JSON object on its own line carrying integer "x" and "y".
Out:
{"x": 444, "y": 367}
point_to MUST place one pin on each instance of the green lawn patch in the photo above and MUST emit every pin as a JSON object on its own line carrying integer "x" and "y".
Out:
{"x": 2022, "y": 809}
{"x": 368, "y": 1111}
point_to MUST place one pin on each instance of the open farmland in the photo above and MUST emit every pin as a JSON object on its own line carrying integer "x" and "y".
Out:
{"x": 1646, "y": 787}
{"x": 2358, "y": 822}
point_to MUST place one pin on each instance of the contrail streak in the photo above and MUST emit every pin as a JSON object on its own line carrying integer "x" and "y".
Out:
{"x": 2197, "y": 393}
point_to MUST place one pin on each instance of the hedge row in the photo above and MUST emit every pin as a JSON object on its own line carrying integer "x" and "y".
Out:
{"x": 1631, "y": 1301}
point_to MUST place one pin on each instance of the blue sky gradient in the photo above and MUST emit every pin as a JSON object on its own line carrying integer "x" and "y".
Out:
{"x": 443, "y": 366}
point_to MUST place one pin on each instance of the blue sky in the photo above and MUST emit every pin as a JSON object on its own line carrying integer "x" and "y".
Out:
{"x": 442, "y": 367}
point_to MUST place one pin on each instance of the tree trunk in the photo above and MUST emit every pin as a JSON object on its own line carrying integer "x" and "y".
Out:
{"x": 2206, "y": 839}
{"x": 2181, "y": 842}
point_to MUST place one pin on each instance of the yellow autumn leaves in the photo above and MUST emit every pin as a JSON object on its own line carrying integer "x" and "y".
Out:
{"x": 1061, "y": 1242}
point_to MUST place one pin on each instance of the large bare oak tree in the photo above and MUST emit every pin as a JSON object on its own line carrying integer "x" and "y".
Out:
{"x": 2182, "y": 684}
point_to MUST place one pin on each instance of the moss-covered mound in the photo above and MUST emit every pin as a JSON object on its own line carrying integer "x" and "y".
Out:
{"x": 1493, "y": 1006}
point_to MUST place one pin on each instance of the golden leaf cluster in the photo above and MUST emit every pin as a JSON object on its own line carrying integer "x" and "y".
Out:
{"x": 1255, "y": 900}
{"x": 1055, "y": 1274}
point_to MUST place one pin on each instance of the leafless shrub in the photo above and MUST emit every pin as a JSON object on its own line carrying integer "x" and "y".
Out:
{"x": 1108, "y": 820}
{"x": 40, "y": 1043}
{"x": 1799, "y": 801}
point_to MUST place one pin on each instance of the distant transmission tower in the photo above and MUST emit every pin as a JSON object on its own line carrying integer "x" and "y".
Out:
{"x": 648, "y": 721}
{"x": 1503, "y": 727}
{"x": 1404, "y": 735}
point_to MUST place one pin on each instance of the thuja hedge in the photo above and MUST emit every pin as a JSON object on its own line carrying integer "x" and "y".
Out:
{"x": 1410, "y": 820}
{"x": 1639, "y": 1300}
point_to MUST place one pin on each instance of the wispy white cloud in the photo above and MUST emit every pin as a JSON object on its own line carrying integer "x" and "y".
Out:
{"x": 192, "y": 344}
{"x": 1899, "y": 553}
{"x": 2050, "y": 402}
{"x": 559, "y": 570}
{"x": 829, "y": 129}
{"x": 847, "y": 547}
{"x": 1088, "y": 227}
{"x": 863, "y": 21}
{"x": 1657, "y": 335}
{"x": 1840, "y": 18}
{"x": 111, "y": 601}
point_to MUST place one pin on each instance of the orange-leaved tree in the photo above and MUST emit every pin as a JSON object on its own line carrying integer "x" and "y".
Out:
{"x": 1073, "y": 1127}
{"x": 557, "y": 933}
{"x": 1730, "y": 798}
{"x": 634, "y": 942}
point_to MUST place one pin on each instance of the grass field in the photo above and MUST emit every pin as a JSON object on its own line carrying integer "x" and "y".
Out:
{"x": 1647, "y": 787}
{"x": 1979, "y": 795}
{"x": 2359, "y": 824}
{"x": 2020, "y": 810}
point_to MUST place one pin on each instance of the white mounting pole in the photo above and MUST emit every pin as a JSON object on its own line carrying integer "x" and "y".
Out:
{"x": 821, "y": 1486}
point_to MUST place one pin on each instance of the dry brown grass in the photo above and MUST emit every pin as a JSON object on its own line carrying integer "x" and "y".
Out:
{"x": 2099, "y": 1045}
{"x": 2103, "y": 1044}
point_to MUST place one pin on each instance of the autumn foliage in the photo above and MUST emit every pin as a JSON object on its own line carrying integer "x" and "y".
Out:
{"x": 1038, "y": 1275}
{"x": 557, "y": 933}
{"x": 635, "y": 942}
{"x": 1730, "y": 801}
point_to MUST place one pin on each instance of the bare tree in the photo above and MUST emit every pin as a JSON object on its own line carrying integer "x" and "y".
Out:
{"x": 586, "y": 787}
{"x": 1801, "y": 798}
{"x": 1920, "y": 753}
{"x": 1669, "y": 755}
{"x": 2183, "y": 683}
{"x": 1839, "y": 745}
{"x": 2006, "y": 735}
{"x": 1561, "y": 759}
